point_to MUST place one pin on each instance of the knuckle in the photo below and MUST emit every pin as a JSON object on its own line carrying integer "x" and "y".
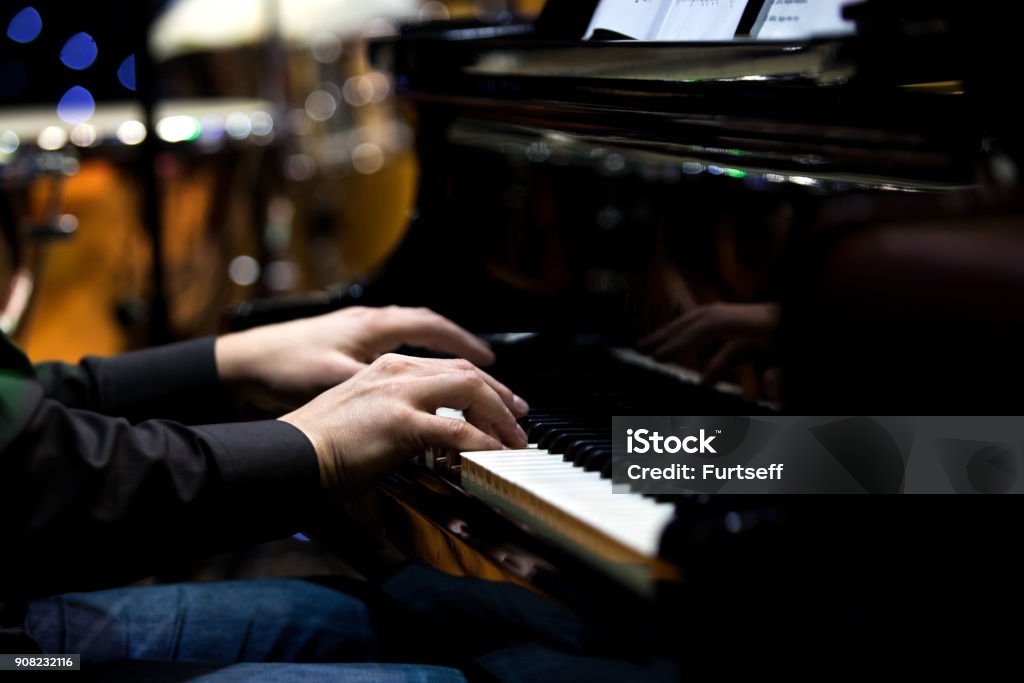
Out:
{"x": 464, "y": 365}
{"x": 354, "y": 312}
{"x": 457, "y": 429}
{"x": 472, "y": 379}
{"x": 391, "y": 362}
{"x": 406, "y": 414}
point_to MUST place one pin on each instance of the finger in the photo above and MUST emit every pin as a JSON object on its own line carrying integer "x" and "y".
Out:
{"x": 466, "y": 390}
{"x": 693, "y": 339}
{"x": 455, "y": 435}
{"x": 723, "y": 361}
{"x": 447, "y": 337}
{"x": 407, "y": 365}
{"x": 497, "y": 421}
{"x": 424, "y": 328}
{"x": 772, "y": 383}
{"x": 485, "y": 408}
{"x": 515, "y": 403}
{"x": 670, "y": 329}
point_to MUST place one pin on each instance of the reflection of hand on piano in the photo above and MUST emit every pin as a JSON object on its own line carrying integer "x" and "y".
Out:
{"x": 386, "y": 413}
{"x": 737, "y": 330}
{"x": 285, "y": 365}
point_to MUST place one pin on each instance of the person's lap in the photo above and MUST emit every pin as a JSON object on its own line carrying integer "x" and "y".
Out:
{"x": 272, "y": 630}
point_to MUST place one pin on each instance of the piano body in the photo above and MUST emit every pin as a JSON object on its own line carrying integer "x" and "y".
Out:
{"x": 575, "y": 196}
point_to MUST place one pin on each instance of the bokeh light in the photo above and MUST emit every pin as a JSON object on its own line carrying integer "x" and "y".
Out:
{"x": 358, "y": 90}
{"x": 238, "y": 125}
{"x": 321, "y": 105}
{"x": 178, "y": 128}
{"x": 434, "y": 11}
{"x": 326, "y": 47}
{"x": 126, "y": 72}
{"x": 244, "y": 270}
{"x": 25, "y": 26}
{"x": 76, "y": 106}
{"x": 83, "y": 135}
{"x": 262, "y": 123}
{"x": 367, "y": 158}
{"x": 9, "y": 142}
{"x": 79, "y": 52}
{"x": 52, "y": 138}
{"x": 211, "y": 127}
{"x": 131, "y": 132}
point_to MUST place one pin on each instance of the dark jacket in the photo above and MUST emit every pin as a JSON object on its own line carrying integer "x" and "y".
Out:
{"x": 102, "y": 481}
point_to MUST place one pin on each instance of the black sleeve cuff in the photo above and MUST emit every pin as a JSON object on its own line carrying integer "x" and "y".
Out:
{"x": 176, "y": 382}
{"x": 269, "y": 462}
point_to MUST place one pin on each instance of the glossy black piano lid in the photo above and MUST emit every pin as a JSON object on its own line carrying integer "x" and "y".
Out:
{"x": 569, "y": 184}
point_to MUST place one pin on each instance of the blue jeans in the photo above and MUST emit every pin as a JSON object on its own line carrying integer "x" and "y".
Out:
{"x": 260, "y": 630}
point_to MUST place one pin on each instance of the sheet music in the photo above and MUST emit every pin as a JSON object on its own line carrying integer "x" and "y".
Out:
{"x": 639, "y": 19}
{"x": 696, "y": 20}
{"x": 682, "y": 20}
{"x": 785, "y": 19}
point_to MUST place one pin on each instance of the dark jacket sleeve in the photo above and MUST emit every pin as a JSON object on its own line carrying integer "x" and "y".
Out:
{"x": 176, "y": 381}
{"x": 89, "y": 500}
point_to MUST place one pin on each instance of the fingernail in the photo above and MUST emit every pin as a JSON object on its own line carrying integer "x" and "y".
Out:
{"x": 522, "y": 434}
{"x": 521, "y": 406}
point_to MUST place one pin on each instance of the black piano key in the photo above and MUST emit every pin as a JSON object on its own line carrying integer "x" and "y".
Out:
{"x": 545, "y": 431}
{"x": 558, "y": 441}
{"x": 598, "y": 459}
{"x": 581, "y": 450}
{"x": 539, "y": 428}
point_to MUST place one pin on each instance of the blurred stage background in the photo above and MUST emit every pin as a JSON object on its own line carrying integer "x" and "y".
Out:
{"x": 280, "y": 161}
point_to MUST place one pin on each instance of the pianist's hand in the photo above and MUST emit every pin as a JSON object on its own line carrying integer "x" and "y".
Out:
{"x": 363, "y": 428}
{"x": 728, "y": 332}
{"x": 282, "y": 366}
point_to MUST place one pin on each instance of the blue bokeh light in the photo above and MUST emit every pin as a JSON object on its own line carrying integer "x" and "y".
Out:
{"x": 25, "y": 26}
{"x": 79, "y": 52}
{"x": 126, "y": 72}
{"x": 76, "y": 106}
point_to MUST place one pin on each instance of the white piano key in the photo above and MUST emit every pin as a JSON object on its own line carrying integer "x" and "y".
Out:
{"x": 561, "y": 488}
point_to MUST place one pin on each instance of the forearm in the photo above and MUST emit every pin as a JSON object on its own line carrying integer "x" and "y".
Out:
{"x": 89, "y": 500}
{"x": 178, "y": 381}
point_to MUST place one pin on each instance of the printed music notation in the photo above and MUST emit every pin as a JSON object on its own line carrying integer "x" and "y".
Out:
{"x": 795, "y": 19}
{"x": 660, "y": 20}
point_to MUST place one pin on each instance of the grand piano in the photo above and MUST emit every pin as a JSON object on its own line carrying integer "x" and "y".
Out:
{"x": 576, "y": 195}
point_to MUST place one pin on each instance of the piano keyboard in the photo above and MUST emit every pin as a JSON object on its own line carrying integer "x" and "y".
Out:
{"x": 560, "y": 486}
{"x": 618, "y": 532}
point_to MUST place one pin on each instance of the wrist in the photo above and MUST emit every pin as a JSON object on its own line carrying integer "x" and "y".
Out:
{"x": 232, "y": 351}
{"x": 322, "y": 448}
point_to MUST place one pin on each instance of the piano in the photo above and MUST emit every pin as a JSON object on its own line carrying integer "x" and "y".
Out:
{"x": 575, "y": 196}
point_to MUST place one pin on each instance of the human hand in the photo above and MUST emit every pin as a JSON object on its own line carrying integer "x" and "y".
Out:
{"x": 386, "y": 413}
{"x": 737, "y": 329}
{"x": 284, "y": 365}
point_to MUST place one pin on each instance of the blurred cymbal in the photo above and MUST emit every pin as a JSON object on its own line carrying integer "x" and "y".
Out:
{"x": 203, "y": 25}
